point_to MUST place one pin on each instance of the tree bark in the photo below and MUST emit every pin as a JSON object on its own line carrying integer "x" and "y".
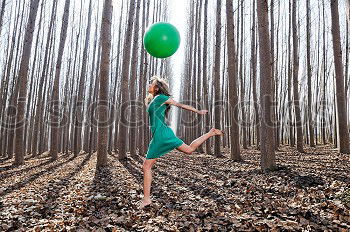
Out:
{"x": 79, "y": 104}
{"x": 266, "y": 134}
{"x": 217, "y": 139}
{"x": 309, "y": 74}
{"x": 232, "y": 78}
{"x": 55, "y": 94}
{"x": 291, "y": 123}
{"x": 2, "y": 11}
{"x": 39, "y": 102}
{"x": 207, "y": 117}
{"x": 253, "y": 70}
{"x": 103, "y": 90}
{"x": 22, "y": 82}
{"x": 132, "y": 88}
{"x": 295, "y": 80}
{"x": 242, "y": 78}
{"x": 339, "y": 74}
{"x": 272, "y": 29}
{"x": 122, "y": 133}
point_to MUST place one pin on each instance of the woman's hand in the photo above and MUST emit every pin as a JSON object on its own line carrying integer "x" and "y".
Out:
{"x": 202, "y": 112}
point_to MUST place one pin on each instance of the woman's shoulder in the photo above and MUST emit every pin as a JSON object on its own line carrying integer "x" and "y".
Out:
{"x": 162, "y": 97}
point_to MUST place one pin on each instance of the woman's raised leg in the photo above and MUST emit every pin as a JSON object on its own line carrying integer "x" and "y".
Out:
{"x": 147, "y": 180}
{"x": 188, "y": 149}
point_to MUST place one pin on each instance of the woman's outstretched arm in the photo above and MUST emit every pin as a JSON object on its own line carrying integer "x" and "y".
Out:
{"x": 171, "y": 101}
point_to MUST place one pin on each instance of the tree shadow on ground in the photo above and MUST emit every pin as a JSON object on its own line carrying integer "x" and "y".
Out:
{"x": 4, "y": 159}
{"x": 103, "y": 189}
{"x": 9, "y": 174}
{"x": 134, "y": 169}
{"x": 56, "y": 188}
{"x": 196, "y": 185}
{"x": 33, "y": 177}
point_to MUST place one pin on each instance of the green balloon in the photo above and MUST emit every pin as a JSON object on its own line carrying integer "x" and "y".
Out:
{"x": 161, "y": 40}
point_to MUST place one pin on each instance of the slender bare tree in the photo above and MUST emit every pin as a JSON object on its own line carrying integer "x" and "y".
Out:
{"x": 56, "y": 86}
{"x": 309, "y": 74}
{"x": 123, "y": 129}
{"x": 295, "y": 79}
{"x": 339, "y": 76}
{"x": 254, "y": 71}
{"x": 22, "y": 82}
{"x": 232, "y": 76}
{"x": 290, "y": 115}
{"x": 2, "y": 11}
{"x": 133, "y": 77}
{"x": 205, "y": 98}
{"x": 266, "y": 134}
{"x": 216, "y": 78}
{"x": 348, "y": 10}
{"x": 39, "y": 101}
{"x": 103, "y": 88}
{"x": 79, "y": 105}
{"x": 242, "y": 75}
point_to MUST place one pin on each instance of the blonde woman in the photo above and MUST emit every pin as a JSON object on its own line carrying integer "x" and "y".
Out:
{"x": 163, "y": 138}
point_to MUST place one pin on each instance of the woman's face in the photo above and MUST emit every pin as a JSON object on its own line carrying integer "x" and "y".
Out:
{"x": 152, "y": 87}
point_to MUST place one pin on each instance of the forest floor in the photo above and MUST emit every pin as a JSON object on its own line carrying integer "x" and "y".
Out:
{"x": 309, "y": 192}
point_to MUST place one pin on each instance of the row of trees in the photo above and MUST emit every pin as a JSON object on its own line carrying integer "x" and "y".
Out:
{"x": 76, "y": 78}
{"x": 298, "y": 105}
{"x": 64, "y": 80}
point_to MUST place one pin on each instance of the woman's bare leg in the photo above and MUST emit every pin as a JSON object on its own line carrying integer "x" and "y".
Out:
{"x": 147, "y": 180}
{"x": 188, "y": 149}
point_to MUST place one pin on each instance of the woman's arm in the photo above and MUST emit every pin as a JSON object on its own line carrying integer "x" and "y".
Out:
{"x": 171, "y": 101}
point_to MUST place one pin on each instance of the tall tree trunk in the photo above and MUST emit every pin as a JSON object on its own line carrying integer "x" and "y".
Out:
{"x": 232, "y": 76}
{"x": 55, "y": 92}
{"x": 341, "y": 103}
{"x": 122, "y": 133}
{"x": 9, "y": 132}
{"x": 93, "y": 86}
{"x": 347, "y": 51}
{"x": 79, "y": 104}
{"x": 295, "y": 80}
{"x": 207, "y": 117}
{"x": 103, "y": 90}
{"x": 93, "y": 129}
{"x": 276, "y": 78}
{"x": 267, "y": 134}
{"x": 272, "y": 33}
{"x": 291, "y": 124}
{"x": 33, "y": 84}
{"x": 199, "y": 130}
{"x": 39, "y": 103}
{"x": 216, "y": 77}
{"x": 309, "y": 74}
{"x": 22, "y": 82}
{"x": 348, "y": 10}
{"x": 253, "y": 70}
{"x": 323, "y": 118}
{"x": 142, "y": 90}
{"x": 132, "y": 88}
{"x": 2, "y": 11}
{"x": 242, "y": 78}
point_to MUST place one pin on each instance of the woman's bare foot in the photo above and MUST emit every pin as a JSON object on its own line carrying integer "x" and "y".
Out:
{"x": 216, "y": 131}
{"x": 145, "y": 203}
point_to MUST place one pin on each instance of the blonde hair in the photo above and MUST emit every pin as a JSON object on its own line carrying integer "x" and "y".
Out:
{"x": 163, "y": 88}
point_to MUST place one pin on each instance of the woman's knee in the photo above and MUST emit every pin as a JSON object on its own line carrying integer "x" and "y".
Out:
{"x": 147, "y": 165}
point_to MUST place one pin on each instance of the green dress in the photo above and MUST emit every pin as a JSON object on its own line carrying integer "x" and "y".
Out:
{"x": 163, "y": 138}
